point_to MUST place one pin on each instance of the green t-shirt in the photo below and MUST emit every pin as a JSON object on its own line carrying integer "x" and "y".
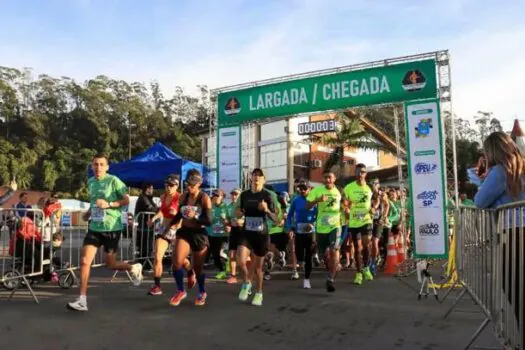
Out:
{"x": 111, "y": 189}
{"x": 277, "y": 228}
{"x": 393, "y": 214}
{"x": 328, "y": 212}
{"x": 361, "y": 204}
{"x": 219, "y": 213}
{"x": 276, "y": 205}
{"x": 468, "y": 203}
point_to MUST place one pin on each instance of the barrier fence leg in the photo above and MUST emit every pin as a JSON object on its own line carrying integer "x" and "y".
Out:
{"x": 449, "y": 291}
{"x": 477, "y": 334}
{"x": 31, "y": 291}
{"x": 456, "y": 302}
{"x": 116, "y": 273}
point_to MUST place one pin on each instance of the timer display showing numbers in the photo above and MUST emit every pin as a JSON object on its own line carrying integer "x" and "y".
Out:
{"x": 317, "y": 127}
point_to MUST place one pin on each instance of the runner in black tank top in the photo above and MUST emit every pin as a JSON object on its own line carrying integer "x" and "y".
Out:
{"x": 256, "y": 205}
{"x": 193, "y": 217}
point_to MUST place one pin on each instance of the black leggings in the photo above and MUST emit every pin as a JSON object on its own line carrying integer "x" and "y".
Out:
{"x": 215, "y": 250}
{"x": 304, "y": 252}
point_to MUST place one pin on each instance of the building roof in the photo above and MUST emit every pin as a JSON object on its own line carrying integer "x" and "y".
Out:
{"x": 376, "y": 132}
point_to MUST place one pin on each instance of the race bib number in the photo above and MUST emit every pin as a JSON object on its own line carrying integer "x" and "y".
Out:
{"x": 304, "y": 228}
{"x": 255, "y": 224}
{"x": 98, "y": 215}
{"x": 358, "y": 216}
{"x": 328, "y": 220}
{"x": 185, "y": 210}
{"x": 170, "y": 234}
{"x": 218, "y": 228}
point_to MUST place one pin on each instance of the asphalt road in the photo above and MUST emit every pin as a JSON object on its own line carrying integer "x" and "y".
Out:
{"x": 383, "y": 314}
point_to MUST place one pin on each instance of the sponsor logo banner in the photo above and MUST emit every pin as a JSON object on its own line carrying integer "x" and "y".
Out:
{"x": 228, "y": 157}
{"x": 427, "y": 184}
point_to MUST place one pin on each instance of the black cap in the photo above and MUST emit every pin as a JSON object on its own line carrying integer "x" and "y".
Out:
{"x": 258, "y": 171}
{"x": 172, "y": 179}
{"x": 303, "y": 182}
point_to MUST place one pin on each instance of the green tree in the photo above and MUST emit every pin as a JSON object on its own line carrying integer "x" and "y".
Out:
{"x": 51, "y": 127}
{"x": 350, "y": 134}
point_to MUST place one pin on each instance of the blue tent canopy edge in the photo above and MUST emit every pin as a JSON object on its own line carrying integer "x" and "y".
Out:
{"x": 153, "y": 166}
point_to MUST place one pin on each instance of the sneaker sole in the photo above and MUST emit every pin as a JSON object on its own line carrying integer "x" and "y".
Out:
{"x": 74, "y": 309}
{"x": 177, "y": 304}
{"x": 201, "y": 303}
{"x": 155, "y": 294}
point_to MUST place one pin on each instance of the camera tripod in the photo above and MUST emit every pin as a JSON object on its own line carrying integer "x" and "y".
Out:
{"x": 426, "y": 281}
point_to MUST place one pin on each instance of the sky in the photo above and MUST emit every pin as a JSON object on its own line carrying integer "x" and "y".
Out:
{"x": 224, "y": 42}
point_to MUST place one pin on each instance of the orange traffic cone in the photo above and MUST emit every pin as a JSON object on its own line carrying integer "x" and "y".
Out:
{"x": 391, "y": 256}
{"x": 401, "y": 255}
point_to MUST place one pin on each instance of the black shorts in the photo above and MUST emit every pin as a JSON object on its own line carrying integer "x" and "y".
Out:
{"x": 235, "y": 236}
{"x": 109, "y": 240}
{"x": 257, "y": 242}
{"x": 377, "y": 229}
{"x": 280, "y": 240}
{"x": 197, "y": 238}
{"x": 170, "y": 241}
{"x": 358, "y": 232}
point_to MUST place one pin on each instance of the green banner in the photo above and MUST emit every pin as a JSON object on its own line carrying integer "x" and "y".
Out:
{"x": 387, "y": 84}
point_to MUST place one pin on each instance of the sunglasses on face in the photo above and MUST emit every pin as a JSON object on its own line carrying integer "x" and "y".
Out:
{"x": 171, "y": 185}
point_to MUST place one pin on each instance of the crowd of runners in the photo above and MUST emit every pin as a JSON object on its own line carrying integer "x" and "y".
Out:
{"x": 322, "y": 225}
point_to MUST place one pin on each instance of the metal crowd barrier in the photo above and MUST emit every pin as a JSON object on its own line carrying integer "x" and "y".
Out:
{"x": 490, "y": 263}
{"x": 144, "y": 238}
{"x": 24, "y": 249}
{"x": 53, "y": 251}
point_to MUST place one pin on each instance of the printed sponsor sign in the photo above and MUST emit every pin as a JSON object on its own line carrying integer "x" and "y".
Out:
{"x": 427, "y": 179}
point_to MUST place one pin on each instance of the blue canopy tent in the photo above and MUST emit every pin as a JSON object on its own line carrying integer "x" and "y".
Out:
{"x": 153, "y": 166}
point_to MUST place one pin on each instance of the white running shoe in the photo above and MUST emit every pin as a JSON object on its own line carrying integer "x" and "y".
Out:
{"x": 136, "y": 274}
{"x": 295, "y": 276}
{"x": 78, "y": 305}
{"x": 306, "y": 284}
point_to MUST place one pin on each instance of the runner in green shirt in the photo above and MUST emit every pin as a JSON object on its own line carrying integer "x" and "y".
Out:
{"x": 234, "y": 226}
{"x": 107, "y": 194}
{"x": 392, "y": 219}
{"x": 358, "y": 196}
{"x": 278, "y": 241}
{"x": 465, "y": 201}
{"x": 328, "y": 226}
{"x": 217, "y": 231}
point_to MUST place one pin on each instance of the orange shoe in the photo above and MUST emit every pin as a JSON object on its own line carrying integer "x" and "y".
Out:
{"x": 177, "y": 298}
{"x": 192, "y": 280}
{"x": 201, "y": 299}
{"x": 231, "y": 280}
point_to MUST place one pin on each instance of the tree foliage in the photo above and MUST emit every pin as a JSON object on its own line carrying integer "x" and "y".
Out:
{"x": 51, "y": 127}
{"x": 469, "y": 139}
{"x": 350, "y": 134}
